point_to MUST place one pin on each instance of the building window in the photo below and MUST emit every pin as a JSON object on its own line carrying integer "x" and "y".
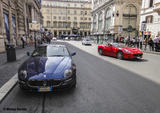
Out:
{"x": 54, "y": 24}
{"x": 68, "y": 24}
{"x": 149, "y": 19}
{"x": 89, "y": 18}
{"x": 75, "y": 12}
{"x": 48, "y": 23}
{"x": 107, "y": 19}
{"x": 64, "y": 24}
{"x": 64, "y": 18}
{"x": 75, "y": 24}
{"x": 130, "y": 16}
{"x": 60, "y": 24}
{"x": 85, "y": 12}
{"x": 68, "y": 11}
{"x": 100, "y": 22}
{"x": 75, "y": 18}
{"x": 75, "y": 5}
{"x": 151, "y": 3}
{"x": 94, "y": 23}
{"x": 54, "y": 17}
{"x": 69, "y": 18}
{"x": 59, "y": 18}
{"x": 81, "y": 12}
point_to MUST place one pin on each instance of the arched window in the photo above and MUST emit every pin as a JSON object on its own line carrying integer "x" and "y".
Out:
{"x": 107, "y": 19}
{"x": 130, "y": 16}
{"x": 100, "y": 19}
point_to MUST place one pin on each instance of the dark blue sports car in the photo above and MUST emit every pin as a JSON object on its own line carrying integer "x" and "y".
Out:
{"x": 50, "y": 67}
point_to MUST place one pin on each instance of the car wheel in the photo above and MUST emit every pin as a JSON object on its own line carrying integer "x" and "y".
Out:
{"x": 100, "y": 51}
{"x": 120, "y": 55}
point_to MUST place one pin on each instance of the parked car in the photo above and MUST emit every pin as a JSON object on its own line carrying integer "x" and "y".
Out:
{"x": 54, "y": 39}
{"x": 49, "y": 68}
{"x": 86, "y": 41}
{"x": 66, "y": 38}
{"x": 119, "y": 51}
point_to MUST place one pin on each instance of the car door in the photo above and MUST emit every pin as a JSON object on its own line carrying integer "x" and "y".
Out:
{"x": 113, "y": 51}
{"x": 107, "y": 50}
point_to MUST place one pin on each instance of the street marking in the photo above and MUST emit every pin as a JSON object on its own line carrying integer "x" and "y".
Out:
{"x": 7, "y": 87}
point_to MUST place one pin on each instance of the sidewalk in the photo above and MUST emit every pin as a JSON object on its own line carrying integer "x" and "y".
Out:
{"x": 20, "y": 52}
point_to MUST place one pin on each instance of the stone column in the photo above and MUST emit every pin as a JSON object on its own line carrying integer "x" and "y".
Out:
{"x": 103, "y": 21}
{"x": 1, "y": 17}
{"x": 10, "y": 23}
{"x": 25, "y": 17}
{"x": 2, "y": 45}
{"x": 97, "y": 23}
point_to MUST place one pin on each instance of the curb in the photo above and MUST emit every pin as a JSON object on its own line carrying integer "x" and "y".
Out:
{"x": 7, "y": 87}
{"x": 155, "y": 53}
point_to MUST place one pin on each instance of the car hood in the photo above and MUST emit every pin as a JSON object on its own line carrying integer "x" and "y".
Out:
{"x": 46, "y": 67}
{"x": 132, "y": 49}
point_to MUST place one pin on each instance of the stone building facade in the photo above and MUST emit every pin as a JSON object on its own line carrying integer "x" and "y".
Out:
{"x": 117, "y": 18}
{"x": 150, "y": 18}
{"x": 67, "y": 17}
{"x": 15, "y": 16}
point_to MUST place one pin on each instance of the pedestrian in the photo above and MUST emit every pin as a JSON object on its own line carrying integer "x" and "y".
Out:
{"x": 141, "y": 43}
{"x": 138, "y": 41}
{"x": 23, "y": 41}
{"x": 145, "y": 43}
{"x": 156, "y": 41}
{"x": 31, "y": 40}
{"x": 151, "y": 44}
{"x": 35, "y": 42}
{"x": 133, "y": 41}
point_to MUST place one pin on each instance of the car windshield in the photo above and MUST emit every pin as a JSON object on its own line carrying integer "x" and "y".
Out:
{"x": 87, "y": 39}
{"x": 51, "y": 51}
{"x": 118, "y": 45}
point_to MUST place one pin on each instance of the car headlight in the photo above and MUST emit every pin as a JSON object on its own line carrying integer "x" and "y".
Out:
{"x": 67, "y": 73}
{"x": 127, "y": 51}
{"x": 23, "y": 74}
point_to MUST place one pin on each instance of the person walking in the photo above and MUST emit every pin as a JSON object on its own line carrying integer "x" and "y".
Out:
{"x": 35, "y": 42}
{"x": 133, "y": 41}
{"x": 138, "y": 41}
{"x": 31, "y": 40}
{"x": 23, "y": 41}
{"x": 156, "y": 41}
{"x": 141, "y": 43}
{"x": 150, "y": 43}
{"x": 145, "y": 42}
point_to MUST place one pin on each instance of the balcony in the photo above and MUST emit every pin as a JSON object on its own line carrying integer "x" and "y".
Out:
{"x": 157, "y": 7}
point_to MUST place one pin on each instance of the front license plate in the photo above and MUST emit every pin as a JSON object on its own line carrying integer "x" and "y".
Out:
{"x": 139, "y": 57}
{"x": 46, "y": 89}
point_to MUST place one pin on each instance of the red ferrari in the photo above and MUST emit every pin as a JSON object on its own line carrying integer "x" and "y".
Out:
{"x": 119, "y": 51}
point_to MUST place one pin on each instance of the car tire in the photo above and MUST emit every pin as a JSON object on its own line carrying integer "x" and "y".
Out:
{"x": 120, "y": 55}
{"x": 100, "y": 51}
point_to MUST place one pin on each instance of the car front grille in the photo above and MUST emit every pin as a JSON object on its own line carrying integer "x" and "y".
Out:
{"x": 137, "y": 55}
{"x": 44, "y": 83}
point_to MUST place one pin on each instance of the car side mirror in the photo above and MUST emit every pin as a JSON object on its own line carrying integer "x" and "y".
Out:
{"x": 73, "y": 54}
{"x": 110, "y": 45}
{"x": 28, "y": 54}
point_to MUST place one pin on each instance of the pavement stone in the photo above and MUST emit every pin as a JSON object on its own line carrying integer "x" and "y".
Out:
{"x": 20, "y": 52}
